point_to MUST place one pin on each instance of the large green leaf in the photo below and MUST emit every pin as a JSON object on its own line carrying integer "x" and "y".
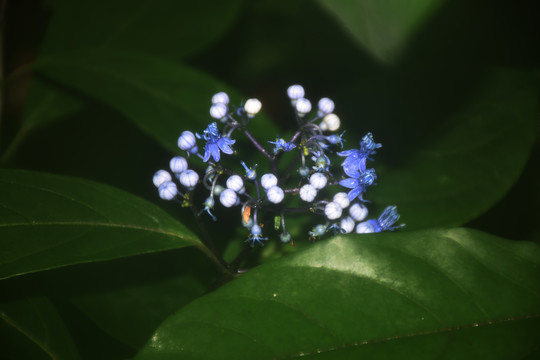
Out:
{"x": 32, "y": 329}
{"x": 463, "y": 168}
{"x": 168, "y": 28}
{"x": 163, "y": 98}
{"x": 49, "y": 221}
{"x": 383, "y": 27}
{"x": 429, "y": 294}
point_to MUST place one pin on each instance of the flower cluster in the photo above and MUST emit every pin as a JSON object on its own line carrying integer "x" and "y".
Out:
{"x": 278, "y": 193}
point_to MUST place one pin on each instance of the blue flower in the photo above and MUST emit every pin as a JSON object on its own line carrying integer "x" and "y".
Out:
{"x": 214, "y": 143}
{"x": 334, "y": 139}
{"x": 386, "y": 221}
{"x": 359, "y": 184}
{"x": 255, "y": 236}
{"x": 322, "y": 162}
{"x": 355, "y": 160}
{"x": 281, "y": 144}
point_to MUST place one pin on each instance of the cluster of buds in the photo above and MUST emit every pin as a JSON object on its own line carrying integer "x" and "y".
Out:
{"x": 305, "y": 186}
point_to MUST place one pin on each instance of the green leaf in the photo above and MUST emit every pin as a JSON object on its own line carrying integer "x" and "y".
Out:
{"x": 429, "y": 294}
{"x": 467, "y": 165}
{"x": 170, "y": 28}
{"x": 382, "y": 27}
{"x": 35, "y": 323}
{"x": 48, "y": 221}
{"x": 167, "y": 28}
{"x": 163, "y": 98}
{"x": 129, "y": 298}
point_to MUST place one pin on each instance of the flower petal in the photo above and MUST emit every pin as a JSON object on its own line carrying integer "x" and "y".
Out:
{"x": 215, "y": 152}
{"x": 349, "y": 183}
{"x": 354, "y": 193}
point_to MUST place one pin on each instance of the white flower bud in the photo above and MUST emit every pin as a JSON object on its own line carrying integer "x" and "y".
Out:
{"x": 167, "y": 190}
{"x": 189, "y": 178}
{"x": 295, "y": 92}
{"x": 220, "y": 98}
{"x": 235, "y": 182}
{"x": 323, "y": 126}
{"x": 186, "y": 141}
{"x": 326, "y": 106}
{"x": 332, "y": 211}
{"x": 268, "y": 180}
{"x": 160, "y": 177}
{"x": 347, "y": 224}
{"x": 178, "y": 164}
{"x": 308, "y": 193}
{"x": 364, "y": 228}
{"x": 318, "y": 180}
{"x": 252, "y": 107}
{"x": 342, "y": 199}
{"x": 228, "y": 198}
{"x": 330, "y": 122}
{"x": 218, "y": 111}
{"x": 358, "y": 211}
{"x": 275, "y": 194}
{"x": 303, "y": 106}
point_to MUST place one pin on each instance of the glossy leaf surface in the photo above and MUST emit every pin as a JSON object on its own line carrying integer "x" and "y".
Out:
{"x": 428, "y": 294}
{"x": 49, "y": 221}
{"x": 382, "y": 27}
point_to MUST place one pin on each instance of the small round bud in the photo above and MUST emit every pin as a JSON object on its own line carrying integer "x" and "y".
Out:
{"x": 218, "y": 189}
{"x": 332, "y": 211}
{"x": 194, "y": 150}
{"x": 167, "y": 190}
{"x": 318, "y": 181}
{"x": 358, "y": 211}
{"x": 308, "y": 193}
{"x": 252, "y": 107}
{"x": 256, "y": 230}
{"x": 189, "y": 178}
{"x": 160, "y": 177}
{"x": 318, "y": 230}
{"x": 326, "y": 106}
{"x": 365, "y": 228}
{"x": 347, "y": 224}
{"x": 248, "y": 223}
{"x": 186, "y": 141}
{"x": 218, "y": 111}
{"x": 209, "y": 202}
{"x": 275, "y": 194}
{"x": 235, "y": 182}
{"x": 330, "y": 122}
{"x": 178, "y": 164}
{"x": 295, "y": 92}
{"x": 303, "y": 106}
{"x": 342, "y": 199}
{"x": 268, "y": 180}
{"x": 220, "y": 98}
{"x": 228, "y": 198}
{"x": 285, "y": 237}
{"x": 303, "y": 171}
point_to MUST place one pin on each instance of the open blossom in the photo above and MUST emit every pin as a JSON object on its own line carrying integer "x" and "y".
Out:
{"x": 355, "y": 159}
{"x": 359, "y": 184}
{"x": 215, "y": 143}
